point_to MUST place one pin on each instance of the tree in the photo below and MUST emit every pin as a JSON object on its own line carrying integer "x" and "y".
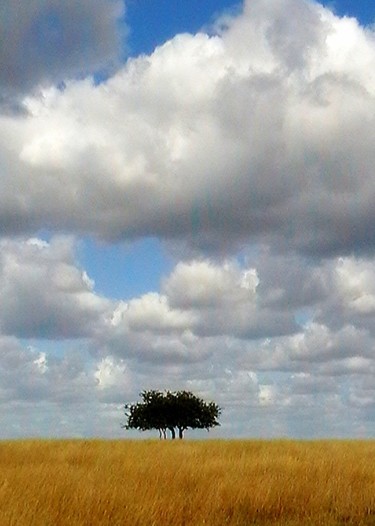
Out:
{"x": 148, "y": 414}
{"x": 173, "y": 411}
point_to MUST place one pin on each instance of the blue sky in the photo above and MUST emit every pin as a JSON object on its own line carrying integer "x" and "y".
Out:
{"x": 363, "y": 10}
{"x": 187, "y": 203}
{"x": 135, "y": 268}
{"x": 152, "y": 23}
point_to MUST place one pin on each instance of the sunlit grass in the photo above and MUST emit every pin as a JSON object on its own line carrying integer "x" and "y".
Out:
{"x": 145, "y": 483}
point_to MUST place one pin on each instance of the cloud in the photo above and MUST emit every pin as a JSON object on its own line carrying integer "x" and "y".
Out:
{"x": 205, "y": 310}
{"x": 201, "y": 284}
{"x": 224, "y": 299}
{"x": 50, "y": 396}
{"x": 201, "y": 304}
{"x": 350, "y": 287}
{"x": 152, "y": 312}
{"x": 213, "y": 141}
{"x": 318, "y": 343}
{"x": 49, "y": 41}
{"x": 27, "y": 374}
{"x": 44, "y": 294}
{"x": 356, "y": 285}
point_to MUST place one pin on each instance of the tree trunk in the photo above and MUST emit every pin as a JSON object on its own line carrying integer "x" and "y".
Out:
{"x": 173, "y": 432}
{"x": 180, "y": 433}
{"x": 162, "y": 433}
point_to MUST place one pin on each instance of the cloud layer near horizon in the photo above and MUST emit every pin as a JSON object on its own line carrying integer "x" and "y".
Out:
{"x": 258, "y": 136}
{"x": 233, "y": 334}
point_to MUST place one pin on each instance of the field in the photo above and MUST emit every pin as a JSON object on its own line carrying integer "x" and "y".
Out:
{"x": 211, "y": 483}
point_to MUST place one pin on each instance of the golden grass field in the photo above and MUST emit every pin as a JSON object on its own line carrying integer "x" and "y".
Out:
{"x": 215, "y": 483}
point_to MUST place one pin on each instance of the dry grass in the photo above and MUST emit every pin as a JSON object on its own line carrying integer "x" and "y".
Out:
{"x": 212, "y": 483}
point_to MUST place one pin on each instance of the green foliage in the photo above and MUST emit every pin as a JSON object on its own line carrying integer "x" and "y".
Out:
{"x": 171, "y": 411}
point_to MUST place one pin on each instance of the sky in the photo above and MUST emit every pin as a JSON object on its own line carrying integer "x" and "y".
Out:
{"x": 186, "y": 202}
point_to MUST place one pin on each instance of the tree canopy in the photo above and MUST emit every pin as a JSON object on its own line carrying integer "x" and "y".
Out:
{"x": 173, "y": 411}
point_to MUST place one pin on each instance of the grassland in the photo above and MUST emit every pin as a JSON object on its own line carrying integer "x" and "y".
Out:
{"x": 211, "y": 483}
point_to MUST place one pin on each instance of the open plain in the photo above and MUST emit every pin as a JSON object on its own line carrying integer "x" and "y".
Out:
{"x": 191, "y": 483}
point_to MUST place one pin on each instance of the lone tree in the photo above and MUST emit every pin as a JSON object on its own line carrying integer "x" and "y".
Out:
{"x": 173, "y": 411}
